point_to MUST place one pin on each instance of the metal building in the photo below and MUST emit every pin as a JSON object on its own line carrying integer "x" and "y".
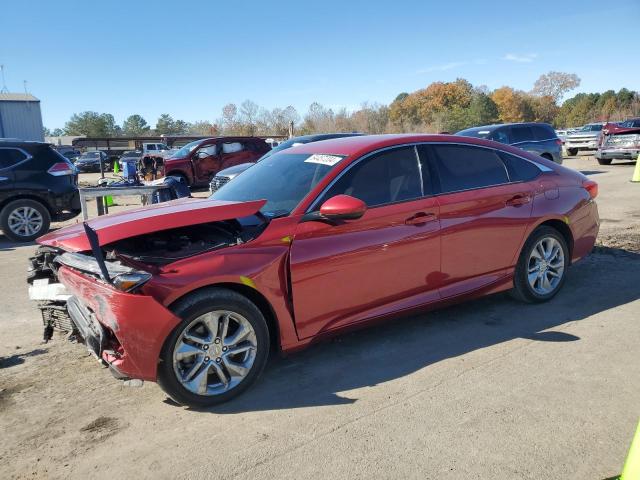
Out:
{"x": 20, "y": 117}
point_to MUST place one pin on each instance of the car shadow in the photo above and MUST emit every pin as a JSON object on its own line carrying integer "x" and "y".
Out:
{"x": 7, "y": 245}
{"x": 592, "y": 172}
{"x": 18, "y": 358}
{"x": 399, "y": 347}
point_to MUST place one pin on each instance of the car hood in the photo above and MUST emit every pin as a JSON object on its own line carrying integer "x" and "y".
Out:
{"x": 235, "y": 170}
{"x": 162, "y": 216}
{"x": 613, "y": 129}
{"x": 582, "y": 135}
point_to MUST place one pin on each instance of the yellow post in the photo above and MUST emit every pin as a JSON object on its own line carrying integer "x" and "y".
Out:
{"x": 636, "y": 171}
{"x": 631, "y": 470}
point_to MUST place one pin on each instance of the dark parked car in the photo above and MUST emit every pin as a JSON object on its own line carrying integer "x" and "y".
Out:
{"x": 69, "y": 152}
{"x": 197, "y": 162}
{"x": 538, "y": 138}
{"x": 37, "y": 185}
{"x": 314, "y": 240}
{"x": 90, "y": 162}
{"x": 228, "y": 174}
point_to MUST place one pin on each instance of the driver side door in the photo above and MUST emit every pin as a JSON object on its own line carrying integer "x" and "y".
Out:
{"x": 206, "y": 163}
{"x": 384, "y": 262}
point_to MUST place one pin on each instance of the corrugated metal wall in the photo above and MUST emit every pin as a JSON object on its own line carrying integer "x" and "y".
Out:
{"x": 20, "y": 119}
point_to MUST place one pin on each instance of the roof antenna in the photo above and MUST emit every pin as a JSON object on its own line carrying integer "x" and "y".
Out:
{"x": 25, "y": 87}
{"x": 4, "y": 83}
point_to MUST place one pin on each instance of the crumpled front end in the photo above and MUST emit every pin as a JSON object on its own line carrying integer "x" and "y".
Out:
{"x": 125, "y": 330}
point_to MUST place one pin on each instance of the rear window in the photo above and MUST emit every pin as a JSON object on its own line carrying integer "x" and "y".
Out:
{"x": 10, "y": 156}
{"x": 465, "y": 167}
{"x": 519, "y": 169}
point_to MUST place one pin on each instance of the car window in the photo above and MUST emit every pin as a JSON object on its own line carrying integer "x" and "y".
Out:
{"x": 386, "y": 177}
{"x": 151, "y": 147}
{"x": 501, "y": 135}
{"x": 232, "y": 147}
{"x": 208, "y": 149}
{"x": 519, "y": 169}
{"x": 462, "y": 167}
{"x": 10, "y": 156}
{"x": 540, "y": 132}
{"x": 521, "y": 134}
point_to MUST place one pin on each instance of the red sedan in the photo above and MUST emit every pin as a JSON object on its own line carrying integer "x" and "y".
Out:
{"x": 322, "y": 237}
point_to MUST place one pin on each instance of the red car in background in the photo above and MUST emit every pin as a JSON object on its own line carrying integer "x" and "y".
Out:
{"x": 311, "y": 241}
{"x": 619, "y": 141}
{"x": 197, "y": 162}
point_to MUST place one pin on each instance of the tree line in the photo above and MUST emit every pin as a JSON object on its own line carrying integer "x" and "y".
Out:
{"x": 439, "y": 107}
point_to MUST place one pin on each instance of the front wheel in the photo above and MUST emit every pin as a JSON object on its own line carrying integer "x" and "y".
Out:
{"x": 572, "y": 152}
{"x": 542, "y": 266}
{"x": 216, "y": 352}
{"x": 604, "y": 161}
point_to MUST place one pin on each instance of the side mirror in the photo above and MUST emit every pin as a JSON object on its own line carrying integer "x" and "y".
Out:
{"x": 201, "y": 154}
{"x": 340, "y": 207}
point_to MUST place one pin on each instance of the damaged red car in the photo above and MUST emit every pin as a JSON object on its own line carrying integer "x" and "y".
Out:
{"x": 619, "y": 142}
{"x": 195, "y": 293}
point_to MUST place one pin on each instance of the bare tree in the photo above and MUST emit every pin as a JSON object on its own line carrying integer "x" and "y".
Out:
{"x": 555, "y": 85}
{"x": 248, "y": 116}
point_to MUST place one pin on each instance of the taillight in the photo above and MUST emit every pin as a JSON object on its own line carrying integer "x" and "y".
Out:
{"x": 60, "y": 168}
{"x": 591, "y": 187}
{"x": 558, "y": 142}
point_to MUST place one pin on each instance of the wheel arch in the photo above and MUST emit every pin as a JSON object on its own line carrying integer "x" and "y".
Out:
{"x": 28, "y": 196}
{"x": 254, "y": 296}
{"x": 563, "y": 229}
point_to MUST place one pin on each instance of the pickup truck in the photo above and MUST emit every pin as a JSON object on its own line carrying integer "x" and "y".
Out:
{"x": 197, "y": 162}
{"x": 585, "y": 138}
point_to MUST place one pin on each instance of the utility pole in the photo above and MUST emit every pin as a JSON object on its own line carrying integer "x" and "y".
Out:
{"x": 4, "y": 83}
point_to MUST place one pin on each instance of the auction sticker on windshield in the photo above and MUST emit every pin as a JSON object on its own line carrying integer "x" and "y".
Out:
{"x": 329, "y": 160}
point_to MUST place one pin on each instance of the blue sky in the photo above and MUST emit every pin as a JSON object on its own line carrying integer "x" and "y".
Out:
{"x": 190, "y": 58}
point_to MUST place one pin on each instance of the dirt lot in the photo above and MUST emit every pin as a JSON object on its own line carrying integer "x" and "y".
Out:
{"x": 490, "y": 389}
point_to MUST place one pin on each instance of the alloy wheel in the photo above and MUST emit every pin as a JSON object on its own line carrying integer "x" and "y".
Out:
{"x": 545, "y": 266}
{"x": 214, "y": 353}
{"x": 25, "y": 221}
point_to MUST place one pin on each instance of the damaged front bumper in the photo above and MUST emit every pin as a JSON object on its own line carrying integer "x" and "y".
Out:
{"x": 126, "y": 331}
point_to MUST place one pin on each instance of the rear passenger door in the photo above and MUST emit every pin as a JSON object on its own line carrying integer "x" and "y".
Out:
{"x": 235, "y": 153}
{"x": 522, "y": 136}
{"x": 483, "y": 215}
{"x": 8, "y": 158}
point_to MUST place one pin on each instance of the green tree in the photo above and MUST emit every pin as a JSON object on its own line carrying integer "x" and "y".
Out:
{"x": 46, "y": 132}
{"x": 57, "y": 132}
{"x": 165, "y": 124}
{"x": 135, "y": 125}
{"x": 482, "y": 110}
{"x": 92, "y": 124}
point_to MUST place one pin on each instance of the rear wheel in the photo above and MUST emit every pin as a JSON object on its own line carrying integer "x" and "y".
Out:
{"x": 542, "y": 266}
{"x": 24, "y": 220}
{"x": 216, "y": 352}
{"x": 604, "y": 161}
{"x": 572, "y": 152}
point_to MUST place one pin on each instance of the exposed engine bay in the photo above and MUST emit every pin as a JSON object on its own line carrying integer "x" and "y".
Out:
{"x": 125, "y": 258}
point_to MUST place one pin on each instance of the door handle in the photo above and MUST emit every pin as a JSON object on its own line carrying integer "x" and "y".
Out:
{"x": 420, "y": 218}
{"x": 518, "y": 200}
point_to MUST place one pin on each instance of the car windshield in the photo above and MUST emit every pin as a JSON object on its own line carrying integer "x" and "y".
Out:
{"x": 283, "y": 180}
{"x": 131, "y": 154}
{"x": 90, "y": 155}
{"x": 591, "y": 128}
{"x": 187, "y": 149}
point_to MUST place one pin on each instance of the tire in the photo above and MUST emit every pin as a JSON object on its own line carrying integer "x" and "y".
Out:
{"x": 572, "y": 152}
{"x": 604, "y": 161}
{"x": 183, "y": 178}
{"x": 204, "y": 366}
{"x": 523, "y": 290}
{"x": 37, "y": 225}
{"x": 548, "y": 156}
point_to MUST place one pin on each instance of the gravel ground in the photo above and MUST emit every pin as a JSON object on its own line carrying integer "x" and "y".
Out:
{"x": 489, "y": 389}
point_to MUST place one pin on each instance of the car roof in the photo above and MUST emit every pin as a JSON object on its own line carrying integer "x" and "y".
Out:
{"x": 359, "y": 145}
{"x": 15, "y": 142}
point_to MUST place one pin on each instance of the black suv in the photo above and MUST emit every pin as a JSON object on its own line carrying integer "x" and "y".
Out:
{"x": 37, "y": 185}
